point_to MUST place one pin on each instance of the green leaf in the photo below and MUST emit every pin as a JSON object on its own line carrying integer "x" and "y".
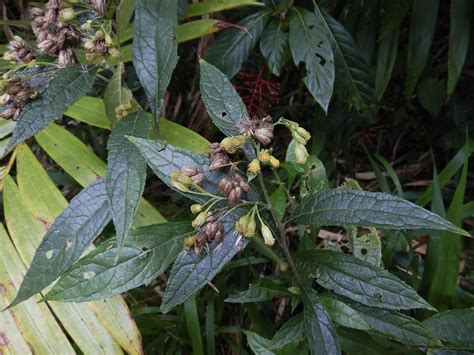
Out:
{"x": 288, "y": 333}
{"x": 70, "y": 235}
{"x": 321, "y": 335}
{"x": 343, "y": 314}
{"x": 126, "y": 172}
{"x": 353, "y": 80}
{"x": 315, "y": 178}
{"x": 192, "y": 323}
{"x": 341, "y": 207}
{"x": 278, "y": 199}
{"x": 431, "y": 94}
{"x": 65, "y": 87}
{"x": 460, "y": 25}
{"x": 310, "y": 44}
{"x": 155, "y": 48}
{"x": 197, "y": 9}
{"x": 422, "y": 28}
{"x": 191, "y": 272}
{"x": 392, "y": 16}
{"x": 385, "y": 61}
{"x": 199, "y": 28}
{"x": 262, "y": 290}
{"x": 454, "y": 327}
{"x": 257, "y": 343}
{"x": 232, "y": 47}
{"x": 368, "y": 247}
{"x": 224, "y": 105}
{"x": 398, "y": 326}
{"x": 124, "y": 14}
{"x": 146, "y": 254}
{"x": 6, "y": 127}
{"x": 116, "y": 94}
{"x": 90, "y": 110}
{"x": 274, "y": 46}
{"x": 358, "y": 280}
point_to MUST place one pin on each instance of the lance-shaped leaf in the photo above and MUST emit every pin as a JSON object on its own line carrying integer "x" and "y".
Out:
{"x": 155, "y": 48}
{"x": 126, "y": 172}
{"x": 191, "y": 272}
{"x": 262, "y": 290}
{"x": 202, "y": 8}
{"x": 232, "y": 47}
{"x": 422, "y": 29}
{"x": 358, "y": 280}
{"x": 274, "y": 46}
{"x": 321, "y": 335}
{"x": 224, "y": 105}
{"x": 257, "y": 343}
{"x": 398, "y": 326}
{"x": 352, "y": 76}
{"x": 309, "y": 43}
{"x": 73, "y": 231}
{"x": 147, "y": 253}
{"x": 116, "y": 94}
{"x": 343, "y": 314}
{"x": 454, "y": 327}
{"x": 289, "y": 332}
{"x": 342, "y": 207}
{"x": 65, "y": 87}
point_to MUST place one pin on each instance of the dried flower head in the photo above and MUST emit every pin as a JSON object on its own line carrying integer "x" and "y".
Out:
{"x": 99, "y": 6}
{"x": 232, "y": 188}
{"x": 260, "y": 129}
{"x": 20, "y": 50}
{"x": 196, "y": 174}
{"x": 214, "y": 228}
{"x": 219, "y": 157}
{"x": 199, "y": 243}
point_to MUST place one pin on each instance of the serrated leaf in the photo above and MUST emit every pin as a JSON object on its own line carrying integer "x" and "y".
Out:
{"x": 257, "y": 343}
{"x": 147, "y": 253}
{"x": 386, "y": 57}
{"x": 454, "y": 327}
{"x": 392, "y": 15}
{"x": 126, "y": 172}
{"x": 232, "y": 47}
{"x": 197, "y": 9}
{"x": 155, "y": 48}
{"x": 288, "y": 333}
{"x": 398, "y": 326}
{"x": 460, "y": 25}
{"x": 224, "y": 105}
{"x": 310, "y": 44}
{"x": 73, "y": 231}
{"x": 65, "y": 87}
{"x": 343, "y": 314}
{"x": 353, "y": 80}
{"x": 116, "y": 93}
{"x": 191, "y": 272}
{"x": 262, "y": 290}
{"x": 424, "y": 15}
{"x": 321, "y": 335}
{"x": 358, "y": 280}
{"x": 341, "y": 207}
{"x": 274, "y": 46}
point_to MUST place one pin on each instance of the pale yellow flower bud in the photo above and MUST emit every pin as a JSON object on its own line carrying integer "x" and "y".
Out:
{"x": 254, "y": 167}
{"x": 196, "y": 208}
{"x": 264, "y": 156}
{"x": 274, "y": 162}
{"x": 199, "y": 220}
{"x": 301, "y": 153}
{"x": 267, "y": 235}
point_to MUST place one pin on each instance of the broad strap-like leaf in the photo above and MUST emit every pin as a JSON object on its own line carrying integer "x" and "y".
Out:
{"x": 147, "y": 253}
{"x": 232, "y": 47}
{"x": 70, "y": 235}
{"x": 126, "y": 172}
{"x": 116, "y": 93}
{"x": 460, "y": 25}
{"x": 191, "y": 272}
{"x": 322, "y": 338}
{"x": 398, "y": 326}
{"x": 352, "y": 73}
{"x": 202, "y": 8}
{"x": 454, "y": 327}
{"x": 262, "y": 290}
{"x": 309, "y": 43}
{"x": 343, "y": 313}
{"x": 392, "y": 15}
{"x": 343, "y": 207}
{"x": 289, "y": 332}
{"x": 358, "y": 280}
{"x": 424, "y": 15}
{"x": 224, "y": 105}
{"x": 155, "y": 48}
{"x": 274, "y": 46}
{"x": 65, "y": 87}
{"x": 386, "y": 57}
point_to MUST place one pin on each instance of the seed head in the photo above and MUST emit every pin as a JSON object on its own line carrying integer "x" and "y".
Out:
{"x": 232, "y": 144}
{"x": 264, "y": 134}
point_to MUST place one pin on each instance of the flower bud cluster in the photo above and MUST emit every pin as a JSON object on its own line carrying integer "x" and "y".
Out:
{"x": 265, "y": 157}
{"x": 232, "y": 188}
{"x": 260, "y": 129}
{"x": 247, "y": 226}
{"x": 19, "y": 50}
{"x": 16, "y": 95}
{"x": 186, "y": 178}
{"x": 210, "y": 229}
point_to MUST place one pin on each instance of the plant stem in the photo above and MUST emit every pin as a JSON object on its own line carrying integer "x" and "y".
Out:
{"x": 281, "y": 229}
